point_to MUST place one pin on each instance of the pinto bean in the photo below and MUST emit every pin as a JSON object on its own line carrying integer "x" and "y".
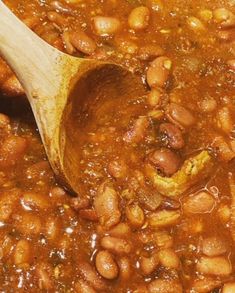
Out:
{"x": 116, "y": 245}
{"x": 205, "y": 285}
{"x": 163, "y": 218}
{"x": 82, "y": 287}
{"x": 12, "y": 149}
{"x": 135, "y": 215}
{"x": 138, "y": 131}
{"x": 89, "y": 214}
{"x": 199, "y": 203}
{"x": 165, "y": 286}
{"x": 179, "y": 115}
{"x": 106, "y": 26}
{"x": 4, "y": 121}
{"x": 82, "y": 42}
{"x": 139, "y": 18}
{"x": 229, "y": 287}
{"x": 225, "y": 120}
{"x": 106, "y": 265}
{"x": 172, "y": 135}
{"x": 165, "y": 161}
{"x": 195, "y": 24}
{"x": 35, "y": 200}
{"x": 213, "y": 246}
{"x": 44, "y": 276}
{"x": 154, "y": 97}
{"x": 231, "y": 64}
{"x": 124, "y": 268}
{"x": 7, "y": 203}
{"x": 90, "y": 276}
{"x": 158, "y": 72}
{"x": 149, "y": 198}
{"x": 168, "y": 258}
{"x": 28, "y": 223}
{"x": 217, "y": 266}
{"x": 224, "y": 17}
{"x": 106, "y": 205}
{"x": 52, "y": 228}
{"x": 163, "y": 239}
{"x": 120, "y": 230}
{"x": 208, "y": 105}
{"x": 22, "y": 252}
{"x": 149, "y": 264}
{"x": 56, "y": 18}
{"x": 117, "y": 169}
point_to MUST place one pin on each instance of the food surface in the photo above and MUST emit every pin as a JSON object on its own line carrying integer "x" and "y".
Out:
{"x": 156, "y": 208}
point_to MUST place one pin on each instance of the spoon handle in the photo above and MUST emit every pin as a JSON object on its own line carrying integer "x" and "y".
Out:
{"x": 33, "y": 60}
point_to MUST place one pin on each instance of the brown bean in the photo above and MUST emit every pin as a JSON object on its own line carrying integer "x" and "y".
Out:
{"x": 44, "y": 276}
{"x": 106, "y": 265}
{"x": 163, "y": 218}
{"x": 124, "y": 268}
{"x": 82, "y": 42}
{"x": 158, "y": 72}
{"x": 90, "y": 276}
{"x": 149, "y": 52}
{"x": 28, "y": 223}
{"x": 165, "y": 286}
{"x": 82, "y": 287}
{"x": 225, "y": 120}
{"x": 222, "y": 149}
{"x": 61, "y": 7}
{"x": 163, "y": 239}
{"x": 231, "y": 64}
{"x": 138, "y": 131}
{"x": 89, "y": 214}
{"x": 56, "y": 18}
{"x": 195, "y": 24}
{"x": 22, "y": 252}
{"x": 8, "y": 201}
{"x": 78, "y": 203}
{"x": 35, "y": 200}
{"x": 168, "y": 258}
{"x": 138, "y": 19}
{"x": 179, "y": 115}
{"x": 217, "y": 266}
{"x": 52, "y": 228}
{"x": 171, "y": 135}
{"x": 208, "y": 105}
{"x": 199, "y": 203}
{"x": 117, "y": 169}
{"x": 106, "y": 204}
{"x": 135, "y": 215}
{"x": 106, "y": 26}
{"x": 12, "y": 87}
{"x": 149, "y": 198}
{"x": 4, "y": 121}
{"x": 229, "y": 287}
{"x": 149, "y": 264}
{"x": 213, "y": 246}
{"x": 120, "y": 230}
{"x": 12, "y": 149}
{"x": 154, "y": 98}
{"x": 205, "y": 285}
{"x": 116, "y": 245}
{"x": 165, "y": 161}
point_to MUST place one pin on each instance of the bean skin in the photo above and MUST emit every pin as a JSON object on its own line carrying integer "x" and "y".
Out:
{"x": 106, "y": 265}
{"x": 82, "y": 42}
{"x": 217, "y": 266}
{"x": 106, "y": 26}
{"x": 135, "y": 215}
{"x": 22, "y": 253}
{"x": 169, "y": 259}
{"x": 164, "y": 286}
{"x": 229, "y": 287}
{"x": 117, "y": 169}
{"x": 200, "y": 203}
{"x": 165, "y": 160}
{"x": 213, "y": 246}
{"x": 138, "y": 131}
{"x": 179, "y": 115}
{"x": 158, "y": 72}
{"x": 124, "y": 268}
{"x": 116, "y": 245}
{"x": 172, "y": 135}
{"x": 149, "y": 264}
{"x": 82, "y": 287}
{"x": 139, "y": 18}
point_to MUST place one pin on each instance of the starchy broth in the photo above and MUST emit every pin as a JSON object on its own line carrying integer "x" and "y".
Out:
{"x": 155, "y": 212}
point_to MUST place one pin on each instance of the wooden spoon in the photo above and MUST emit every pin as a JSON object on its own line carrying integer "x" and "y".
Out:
{"x": 63, "y": 91}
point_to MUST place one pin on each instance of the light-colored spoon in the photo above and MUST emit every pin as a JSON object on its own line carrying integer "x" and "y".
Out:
{"x": 61, "y": 89}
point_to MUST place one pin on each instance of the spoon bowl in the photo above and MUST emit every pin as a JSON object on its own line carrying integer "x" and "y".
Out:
{"x": 64, "y": 92}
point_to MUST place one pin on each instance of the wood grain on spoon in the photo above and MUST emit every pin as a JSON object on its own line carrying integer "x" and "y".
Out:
{"x": 63, "y": 91}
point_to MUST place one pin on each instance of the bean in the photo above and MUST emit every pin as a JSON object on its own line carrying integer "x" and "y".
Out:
{"x": 120, "y": 230}
{"x": 208, "y": 105}
{"x": 224, "y": 17}
{"x": 61, "y": 7}
{"x": 154, "y": 97}
{"x": 138, "y": 131}
{"x": 90, "y": 276}
{"x": 165, "y": 286}
{"x": 149, "y": 198}
{"x": 231, "y": 64}
{"x": 229, "y": 287}
{"x": 78, "y": 203}
{"x": 35, "y": 200}
{"x": 12, "y": 87}
{"x": 195, "y": 24}
{"x": 116, "y": 245}
{"x": 155, "y": 5}
{"x": 139, "y": 18}
{"x": 56, "y": 18}
{"x": 106, "y": 26}
{"x": 199, "y": 203}
{"x": 163, "y": 239}
{"x": 223, "y": 150}
{"x": 39, "y": 170}
{"x": 89, "y": 214}
{"x": 224, "y": 213}
{"x": 52, "y": 228}
{"x": 106, "y": 265}
{"x": 149, "y": 52}
{"x": 44, "y": 276}
{"x": 124, "y": 268}
{"x": 179, "y": 115}
{"x": 213, "y": 246}
{"x": 158, "y": 72}
{"x": 225, "y": 120}
{"x": 149, "y": 264}
{"x": 106, "y": 204}
{"x": 217, "y": 266}
{"x": 22, "y": 252}
{"x": 4, "y": 121}
{"x": 82, "y": 287}
{"x": 126, "y": 46}
{"x": 12, "y": 150}
{"x": 82, "y": 42}
{"x": 165, "y": 161}
{"x": 8, "y": 201}
{"x": 117, "y": 169}
{"x": 172, "y": 135}
{"x": 168, "y": 258}
{"x": 206, "y": 14}
{"x": 205, "y": 285}
{"x": 28, "y": 223}
{"x": 135, "y": 215}
{"x": 163, "y": 218}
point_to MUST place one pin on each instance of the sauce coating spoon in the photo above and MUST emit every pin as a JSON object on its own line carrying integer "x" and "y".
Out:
{"x": 63, "y": 91}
